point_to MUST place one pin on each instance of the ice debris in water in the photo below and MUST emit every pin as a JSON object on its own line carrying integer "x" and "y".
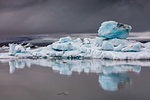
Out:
{"x": 19, "y": 49}
{"x": 112, "y": 29}
{"x": 86, "y": 48}
{"x": 113, "y": 46}
{"x": 12, "y": 50}
{"x": 66, "y": 44}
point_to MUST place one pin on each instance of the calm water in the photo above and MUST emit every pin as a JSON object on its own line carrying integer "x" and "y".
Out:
{"x": 74, "y": 80}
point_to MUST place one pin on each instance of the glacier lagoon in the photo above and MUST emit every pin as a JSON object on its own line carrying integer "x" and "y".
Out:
{"x": 47, "y": 73}
{"x": 74, "y": 79}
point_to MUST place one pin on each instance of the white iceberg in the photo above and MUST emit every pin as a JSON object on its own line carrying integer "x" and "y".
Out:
{"x": 115, "y": 46}
{"x": 98, "y": 48}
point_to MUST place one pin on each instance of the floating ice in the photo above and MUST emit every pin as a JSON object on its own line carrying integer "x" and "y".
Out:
{"x": 5, "y": 47}
{"x": 19, "y": 49}
{"x": 12, "y": 50}
{"x": 66, "y": 44}
{"x": 112, "y": 29}
{"x": 86, "y": 48}
{"x": 114, "y": 47}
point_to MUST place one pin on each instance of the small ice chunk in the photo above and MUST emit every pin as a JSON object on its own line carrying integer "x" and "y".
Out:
{"x": 62, "y": 46}
{"x": 85, "y": 49}
{"x": 132, "y": 48}
{"x": 119, "y": 47}
{"x": 5, "y": 47}
{"x": 147, "y": 45}
{"x": 117, "y": 42}
{"x": 65, "y": 39}
{"x": 112, "y": 29}
{"x": 98, "y": 41}
{"x": 66, "y": 44}
{"x": 12, "y": 50}
{"x": 19, "y": 49}
{"x": 86, "y": 40}
{"x": 107, "y": 46}
{"x": 78, "y": 40}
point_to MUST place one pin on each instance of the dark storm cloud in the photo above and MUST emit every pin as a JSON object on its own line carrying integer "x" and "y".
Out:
{"x": 51, "y": 16}
{"x": 9, "y": 5}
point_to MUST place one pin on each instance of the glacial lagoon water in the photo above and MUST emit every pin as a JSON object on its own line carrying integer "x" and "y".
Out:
{"x": 57, "y": 79}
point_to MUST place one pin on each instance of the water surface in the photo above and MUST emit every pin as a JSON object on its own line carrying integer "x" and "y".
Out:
{"x": 74, "y": 79}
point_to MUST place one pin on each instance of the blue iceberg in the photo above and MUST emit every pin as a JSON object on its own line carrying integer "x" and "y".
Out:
{"x": 65, "y": 39}
{"x": 115, "y": 46}
{"x": 112, "y": 29}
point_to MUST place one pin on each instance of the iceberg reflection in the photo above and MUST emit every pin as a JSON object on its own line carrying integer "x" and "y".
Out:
{"x": 114, "y": 81}
{"x": 112, "y": 74}
{"x": 66, "y": 67}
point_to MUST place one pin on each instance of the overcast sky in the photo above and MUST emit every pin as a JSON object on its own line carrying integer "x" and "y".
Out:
{"x": 73, "y": 16}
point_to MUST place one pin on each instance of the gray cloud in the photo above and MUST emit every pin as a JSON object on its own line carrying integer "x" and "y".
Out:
{"x": 51, "y": 16}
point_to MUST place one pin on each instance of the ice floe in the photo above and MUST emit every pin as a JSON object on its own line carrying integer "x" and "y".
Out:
{"x": 88, "y": 48}
{"x": 115, "y": 47}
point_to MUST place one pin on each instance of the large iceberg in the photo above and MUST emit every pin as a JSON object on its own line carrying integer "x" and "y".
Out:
{"x": 112, "y": 29}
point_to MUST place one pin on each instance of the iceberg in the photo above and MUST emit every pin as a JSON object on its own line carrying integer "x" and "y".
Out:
{"x": 98, "y": 48}
{"x": 112, "y": 29}
{"x": 113, "y": 46}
